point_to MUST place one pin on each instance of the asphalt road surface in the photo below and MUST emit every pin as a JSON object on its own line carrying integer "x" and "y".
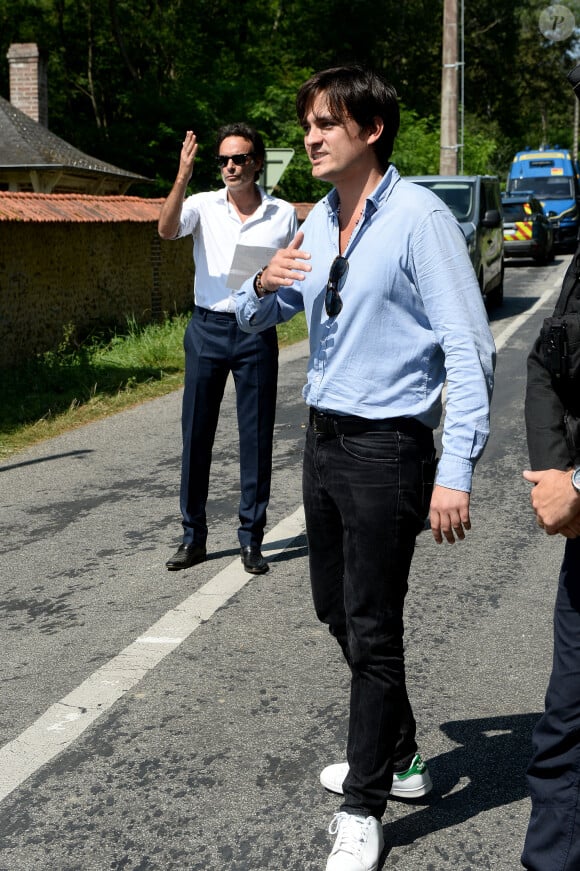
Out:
{"x": 178, "y": 721}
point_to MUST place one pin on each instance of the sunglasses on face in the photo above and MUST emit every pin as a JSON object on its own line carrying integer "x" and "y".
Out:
{"x": 238, "y": 159}
{"x": 336, "y": 279}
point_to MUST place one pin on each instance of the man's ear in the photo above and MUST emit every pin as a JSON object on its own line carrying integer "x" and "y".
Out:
{"x": 375, "y": 130}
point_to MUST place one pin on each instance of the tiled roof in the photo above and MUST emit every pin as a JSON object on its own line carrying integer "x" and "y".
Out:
{"x": 87, "y": 207}
{"x": 76, "y": 207}
{"x": 25, "y": 144}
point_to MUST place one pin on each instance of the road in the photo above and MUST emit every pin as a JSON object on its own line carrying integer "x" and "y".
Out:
{"x": 157, "y": 721}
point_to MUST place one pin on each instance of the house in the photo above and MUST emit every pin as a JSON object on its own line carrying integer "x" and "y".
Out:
{"x": 75, "y": 251}
{"x": 32, "y": 158}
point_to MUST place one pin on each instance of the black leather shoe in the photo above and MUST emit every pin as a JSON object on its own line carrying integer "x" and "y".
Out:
{"x": 186, "y": 555}
{"x": 253, "y": 561}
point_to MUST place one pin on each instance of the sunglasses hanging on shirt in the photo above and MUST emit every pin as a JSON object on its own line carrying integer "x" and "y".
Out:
{"x": 336, "y": 279}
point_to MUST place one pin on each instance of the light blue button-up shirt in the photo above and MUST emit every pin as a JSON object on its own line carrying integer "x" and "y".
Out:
{"x": 412, "y": 319}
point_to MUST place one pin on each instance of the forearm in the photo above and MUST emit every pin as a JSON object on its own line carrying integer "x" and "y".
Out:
{"x": 255, "y": 313}
{"x": 169, "y": 219}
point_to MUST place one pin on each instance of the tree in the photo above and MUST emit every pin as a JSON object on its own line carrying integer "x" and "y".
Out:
{"x": 128, "y": 77}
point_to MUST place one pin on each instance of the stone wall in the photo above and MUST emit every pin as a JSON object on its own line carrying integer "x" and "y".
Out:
{"x": 53, "y": 275}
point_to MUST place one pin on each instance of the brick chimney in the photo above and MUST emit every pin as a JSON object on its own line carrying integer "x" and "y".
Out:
{"x": 28, "y": 81}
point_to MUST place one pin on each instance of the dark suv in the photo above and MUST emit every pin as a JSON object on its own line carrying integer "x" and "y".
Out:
{"x": 475, "y": 201}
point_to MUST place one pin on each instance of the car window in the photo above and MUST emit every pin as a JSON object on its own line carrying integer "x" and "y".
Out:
{"x": 544, "y": 187}
{"x": 488, "y": 201}
{"x": 516, "y": 212}
{"x": 457, "y": 195}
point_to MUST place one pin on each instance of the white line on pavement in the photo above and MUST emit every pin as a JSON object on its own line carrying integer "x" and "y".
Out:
{"x": 506, "y": 334}
{"x": 67, "y": 719}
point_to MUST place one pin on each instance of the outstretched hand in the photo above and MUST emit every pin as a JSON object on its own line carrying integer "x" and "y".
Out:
{"x": 287, "y": 265}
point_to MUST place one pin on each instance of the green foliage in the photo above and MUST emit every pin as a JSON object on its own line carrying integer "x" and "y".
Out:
{"x": 417, "y": 145}
{"x": 293, "y": 330}
{"x": 104, "y": 372}
{"x": 128, "y": 77}
{"x": 78, "y": 370}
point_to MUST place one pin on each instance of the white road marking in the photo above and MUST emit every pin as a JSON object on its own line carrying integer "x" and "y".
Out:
{"x": 508, "y": 332}
{"x": 67, "y": 719}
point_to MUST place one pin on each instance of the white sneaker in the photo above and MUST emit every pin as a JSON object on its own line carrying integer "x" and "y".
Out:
{"x": 358, "y": 845}
{"x": 412, "y": 783}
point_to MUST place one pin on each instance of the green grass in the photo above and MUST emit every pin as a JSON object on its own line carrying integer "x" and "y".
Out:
{"x": 105, "y": 373}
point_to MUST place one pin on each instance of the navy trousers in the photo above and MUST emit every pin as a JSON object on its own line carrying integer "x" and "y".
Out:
{"x": 365, "y": 501}
{"x": 214, "y": 347}
{"x": 553, "y": 837}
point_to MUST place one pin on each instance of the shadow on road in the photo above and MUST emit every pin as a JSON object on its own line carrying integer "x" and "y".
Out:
{"x": 79, "y": 453}
{"x": 512, "y": 306}
{"x": 486, "y": 771}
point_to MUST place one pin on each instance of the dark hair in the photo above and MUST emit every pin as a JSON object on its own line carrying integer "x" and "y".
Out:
{"x": 246, "y": 132}
{"x": 359, "y": 93}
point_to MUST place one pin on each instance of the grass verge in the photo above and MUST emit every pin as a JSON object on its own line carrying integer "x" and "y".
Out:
{"x": 82, "y": 382}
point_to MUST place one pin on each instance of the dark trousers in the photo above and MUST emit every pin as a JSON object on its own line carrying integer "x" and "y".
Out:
{"x": 365, "y": 499}
{"x": 553, "y": 837}
{"x": 214, "y": 346}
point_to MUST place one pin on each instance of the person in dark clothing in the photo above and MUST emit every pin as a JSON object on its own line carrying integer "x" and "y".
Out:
{"x": 552, "y": 841}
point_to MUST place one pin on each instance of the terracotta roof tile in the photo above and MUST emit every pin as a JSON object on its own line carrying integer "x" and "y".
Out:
{"x": 76, "y": 207}
{"x": 88, "y": 207}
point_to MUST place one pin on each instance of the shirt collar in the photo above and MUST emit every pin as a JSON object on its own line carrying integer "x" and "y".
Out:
{"x": 266, "y": 201}
{"x": 379, "y": 196}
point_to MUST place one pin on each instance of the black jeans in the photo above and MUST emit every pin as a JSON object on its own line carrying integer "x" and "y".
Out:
{"x": 366, "y": 497}
{"x": 553, "y": 836}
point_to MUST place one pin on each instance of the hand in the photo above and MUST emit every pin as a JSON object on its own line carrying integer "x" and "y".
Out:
{"x": 449, "y": 514}
{"x": 187, "y": 157}
{"x": 286, "y": 266}
{"x": 554, "y": 500}
{"x": 572, "y": 530}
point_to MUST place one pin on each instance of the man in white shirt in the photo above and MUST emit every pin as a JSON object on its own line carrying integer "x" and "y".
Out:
{"x": 232, "y": 221}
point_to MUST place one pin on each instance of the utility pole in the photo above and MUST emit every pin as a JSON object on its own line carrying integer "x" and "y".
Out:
{"x": 575, "y": 131}
{"x": 448, "y": 153}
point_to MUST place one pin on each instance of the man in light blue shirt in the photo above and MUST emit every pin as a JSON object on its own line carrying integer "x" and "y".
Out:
{"x": 394, "y": 311}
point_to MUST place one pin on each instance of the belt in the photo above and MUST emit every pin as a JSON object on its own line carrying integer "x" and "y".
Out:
{"x": 213, "y": 314}
{"x": 333, "y": 425}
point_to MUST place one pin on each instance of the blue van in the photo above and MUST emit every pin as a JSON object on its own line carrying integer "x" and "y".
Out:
{"x": 551, "y": 176}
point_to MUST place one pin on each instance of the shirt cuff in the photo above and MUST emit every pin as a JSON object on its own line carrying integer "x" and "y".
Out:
{"x": 455, "y": 473}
